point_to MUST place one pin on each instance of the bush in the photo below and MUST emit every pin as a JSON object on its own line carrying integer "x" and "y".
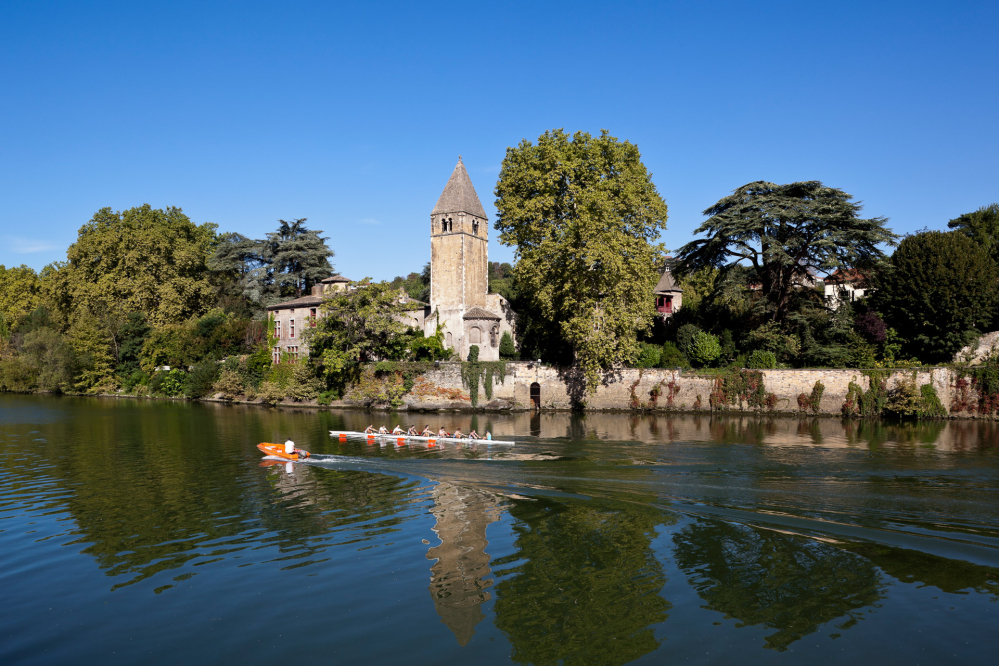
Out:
{"x": 815, "y": 399}
{"x": 685, "y": 338}
{"x": 229, "y": 384}
{"x": 305, "y": 385}
{"x": 17, "y": 376}
{"x": 169, "y": 383}
{"x": 270, "y": 393}
{"x": 649, "y": 356}
{"x": 137, "y": 378}
{"x": 507, "y": 349}
{"x": 770, "y": 337}
{"x": 761, "y": 360}
{"x": 473, "y": 354}
{"x": 201, "y": 379}
{"x": 671, "y": 357}
{"x": 705, "y": 348}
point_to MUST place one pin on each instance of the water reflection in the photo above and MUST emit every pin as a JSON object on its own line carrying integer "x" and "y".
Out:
{"x": 787, "y": 583}
{"x": 584, "y": 585}
{"x": 459, "y": 578}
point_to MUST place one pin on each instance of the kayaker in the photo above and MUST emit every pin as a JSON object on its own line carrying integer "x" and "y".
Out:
{"x": 427, "y": 432}
{"x": 457, "y": 434}
{"x": 370, "y": 430}
{"x": 397, "y": 430}
{"x": 412, "y": 431}
{"x": 473, "y": 435}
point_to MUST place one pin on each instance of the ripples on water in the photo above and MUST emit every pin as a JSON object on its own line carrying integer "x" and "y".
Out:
{"x": 152, "y": 531}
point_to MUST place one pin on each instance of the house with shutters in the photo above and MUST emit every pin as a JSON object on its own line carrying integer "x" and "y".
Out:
{"x": 669, "y": 295}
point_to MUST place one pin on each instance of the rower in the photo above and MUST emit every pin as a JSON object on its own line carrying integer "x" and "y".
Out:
{"x": 457, "y": 434}
{"x": 427, "y": 432}
{"x": 473, "y": 435}
{"x": 442, "y": 432}
{"x": 489, "y": 435}
{"x": 412, "y": 431}
{"x": 382, "y": 430}
{"x": 370, "y": 430}
{"x": 397, "y": 430}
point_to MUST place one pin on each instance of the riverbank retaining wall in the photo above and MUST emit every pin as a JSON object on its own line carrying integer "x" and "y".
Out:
{"x": 649, "y": 389}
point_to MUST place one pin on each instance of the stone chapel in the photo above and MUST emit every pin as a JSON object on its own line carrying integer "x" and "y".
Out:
{"x": 459, "y": 285}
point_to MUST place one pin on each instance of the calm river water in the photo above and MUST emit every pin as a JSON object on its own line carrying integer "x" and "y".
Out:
{"x": 151, "y": 532}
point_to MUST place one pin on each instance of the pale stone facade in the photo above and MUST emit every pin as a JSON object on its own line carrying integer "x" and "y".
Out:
{"x": 459, "y": 284}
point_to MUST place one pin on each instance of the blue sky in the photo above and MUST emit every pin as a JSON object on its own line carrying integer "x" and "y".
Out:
{"x": 353, "y": 114}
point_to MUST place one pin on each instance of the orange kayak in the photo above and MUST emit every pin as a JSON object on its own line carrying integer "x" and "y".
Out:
{"x": 278, "y": 451}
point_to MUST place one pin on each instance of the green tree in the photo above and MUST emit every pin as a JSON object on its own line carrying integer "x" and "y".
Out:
{"x": 981, "y": 226}
{"x": 507, "y": 349}
{"x": 133, "y": 335}
{"x": 357, "y": 326}
{"x": 705, "y": 349}
{"x": 416, "y": 285}
{"x": 584, "y": 217}
{"x": 786, "y": 233}
{"x": 298, "y": 257}
{"x": 50, "y": 355}
{"x": 139, "y": 260}
{"x": 20, "y": 292}
{"x": 937, "y": 291}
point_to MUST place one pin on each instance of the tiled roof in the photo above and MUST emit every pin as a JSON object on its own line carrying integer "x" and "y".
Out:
{"x": 334, "y": 279}
{"x": 303, "y": 302}
{"x": 846, "y": 275}
{"x": 666, "y": 283}
{"x": 459, "y": 195}
{"x": 479, "y": 313}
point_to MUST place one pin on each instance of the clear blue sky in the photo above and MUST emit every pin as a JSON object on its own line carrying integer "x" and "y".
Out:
{"x": 353, "y": 114}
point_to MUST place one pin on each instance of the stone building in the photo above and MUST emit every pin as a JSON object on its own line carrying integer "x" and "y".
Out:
{"x": 669, "y": 295}
{"x": 459, "y": 285}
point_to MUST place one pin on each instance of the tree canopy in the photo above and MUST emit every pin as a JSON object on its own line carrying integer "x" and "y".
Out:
{"x": 19, "y": 292}
{"x": 937, "y": 290}
{"x": 787, "y": 233}
{"x": 981, "y": 226}
{"x": 585, "y": 219}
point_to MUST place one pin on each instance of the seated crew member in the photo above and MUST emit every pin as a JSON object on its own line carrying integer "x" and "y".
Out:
{"x": 397, "y": 430}
{"x": 383, "y": 430}
{"x": 442, "y": 432}
{"x": 457, "y": 434}
{"x": 473, "y": 434}
{"x": 370, "y": 430}
{"x": 489, "y": 435}
{"x": 412, "y": 430}
{"x": 427, "y": 432}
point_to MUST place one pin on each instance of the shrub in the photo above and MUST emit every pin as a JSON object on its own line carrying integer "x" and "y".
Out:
{"x": 685, "y": 338}
{"x": 815, "y": 399}
{"x": 770, "y": 337}
{"x": 201, "y": 379}
{"x": 229, "y": 384}
{"x": 473, "y": 354}
{"x": 169, "y": 383}
{"x": 705, "y": 348}
{"x": 649, "y": 356}
{"x": 803, "y": 402}
{"x": 304, "y": 385}
{"x": 17, "y": 376}
{"x": 870, "y": 326}
{"x": 506, "y": 348}
{"x": 761, "y": 360}
{"x": 671, "y": 357}
{"x": 270, "y": 393}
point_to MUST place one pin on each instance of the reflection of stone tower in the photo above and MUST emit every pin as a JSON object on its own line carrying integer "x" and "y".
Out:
{"x": 459, "y": 277}
{"x": 457, "y": 579}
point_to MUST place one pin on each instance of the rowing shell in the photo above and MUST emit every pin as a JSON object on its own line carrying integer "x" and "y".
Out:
{"x": 344, "y": 434}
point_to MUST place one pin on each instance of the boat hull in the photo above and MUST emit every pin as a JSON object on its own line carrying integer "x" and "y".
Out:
{"x": 277, "y": 450}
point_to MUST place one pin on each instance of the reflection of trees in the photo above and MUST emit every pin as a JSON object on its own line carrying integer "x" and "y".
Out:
{"x": 912, "y": 566}
{"x": 584, "y": 588}
{"x": 458, "y": 578}
{"x": 786, "y": 583}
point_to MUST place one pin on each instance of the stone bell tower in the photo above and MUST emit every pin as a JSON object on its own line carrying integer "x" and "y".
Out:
{"x": 459, "y": 246}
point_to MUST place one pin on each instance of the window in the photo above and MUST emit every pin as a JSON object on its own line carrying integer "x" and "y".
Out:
{"x": 448, "y": 340}
{"x": 493, "y": 334}
{"x": 312, "y": 315}
{"x": 277, "y": 355}
{"x": 475, "y": 335}
{"x": 291, "y": 325}
{"x": 443, "y": 226}
{"x": 475, "y": 227}
{"x": 277, "y": 329}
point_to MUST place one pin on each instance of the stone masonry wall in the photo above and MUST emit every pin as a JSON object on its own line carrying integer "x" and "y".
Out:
{"x": 629, "y": 388}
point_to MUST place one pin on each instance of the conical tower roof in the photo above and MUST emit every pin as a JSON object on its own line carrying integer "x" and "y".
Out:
{"x": 459, "y": 196}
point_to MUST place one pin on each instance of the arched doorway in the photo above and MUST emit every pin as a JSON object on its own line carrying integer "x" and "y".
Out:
{"x": 535, "y": 395}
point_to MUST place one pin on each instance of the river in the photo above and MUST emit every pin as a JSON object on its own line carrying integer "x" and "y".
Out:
{"x": 152, "y": 532}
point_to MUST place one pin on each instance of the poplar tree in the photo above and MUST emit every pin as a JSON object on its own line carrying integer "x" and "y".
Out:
{"x": 585, "y": 218}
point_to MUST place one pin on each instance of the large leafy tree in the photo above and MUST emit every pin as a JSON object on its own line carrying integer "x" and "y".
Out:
{"x": 787, "y": 233}
{"x": 20, "y": 291}
{"x": 981, "y": 226}
{"x": 140, "y": 260}
{"x": 585, "y": 219}
{"x": 937, "y": 290}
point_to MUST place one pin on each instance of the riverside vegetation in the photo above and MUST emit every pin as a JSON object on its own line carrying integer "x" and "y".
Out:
{"x": 150, "y": 303}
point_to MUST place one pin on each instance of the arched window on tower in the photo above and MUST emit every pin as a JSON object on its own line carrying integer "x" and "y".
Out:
{"x": 443, "y": 225}
{"x": 493, "y": 334}
{"x": 475, "y": 227}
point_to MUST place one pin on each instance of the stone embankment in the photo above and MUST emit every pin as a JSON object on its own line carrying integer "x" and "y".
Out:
{"x": 526, "y": 385}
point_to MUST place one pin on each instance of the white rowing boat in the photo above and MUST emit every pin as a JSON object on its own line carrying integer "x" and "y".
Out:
{"x": 353, "y": 434}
